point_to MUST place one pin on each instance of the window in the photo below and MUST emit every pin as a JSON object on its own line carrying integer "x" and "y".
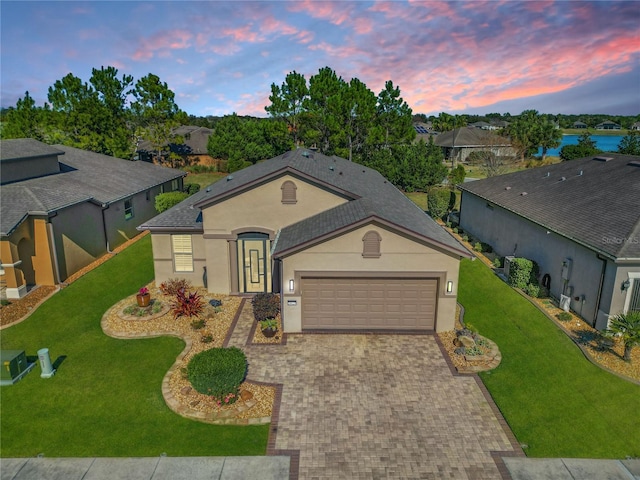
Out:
{"x": 634, "y": 292}
{"x": 289, "y": 192}
{"x": 174, "y": 185}
{"x": 128, "y": 208}
{"x": 182, "y": 253}
{"x": 371, "y": 244}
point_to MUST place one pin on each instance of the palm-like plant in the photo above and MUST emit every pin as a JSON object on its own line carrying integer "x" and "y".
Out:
{"x": 626, "y": 326}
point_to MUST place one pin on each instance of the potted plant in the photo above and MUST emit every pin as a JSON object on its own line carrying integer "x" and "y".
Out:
{"x": 143, "y": 297}
{"x": 269, "y": 327}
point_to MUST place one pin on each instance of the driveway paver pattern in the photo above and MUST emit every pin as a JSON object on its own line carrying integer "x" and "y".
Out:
{"x": 369, "y": 406}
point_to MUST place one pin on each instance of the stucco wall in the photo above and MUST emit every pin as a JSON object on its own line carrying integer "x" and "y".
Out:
{"x": 262, "y": 207}
{"x": 121, "y": 229}
{"x": 163, "y": 261}
{"x": 510, "y": 234}
{"x": 344, "y": 254}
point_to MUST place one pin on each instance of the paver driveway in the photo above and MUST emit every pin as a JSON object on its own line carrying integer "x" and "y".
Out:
{"x": 379, "y": 406}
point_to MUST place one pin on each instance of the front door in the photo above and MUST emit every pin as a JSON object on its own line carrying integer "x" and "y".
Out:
{"x": 254, "y": 263}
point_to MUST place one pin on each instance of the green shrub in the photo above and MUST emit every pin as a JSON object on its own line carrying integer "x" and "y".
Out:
{"x": 438, "y": 202}
{"x": 520, "y": 272}
{"x": 265, "y": 305}
{"x": 533, "y": 290}
{"x": 564, "y": 316}
{"x": 218, "y": 372}
{"x": 4, "y": 302}
{"x": 198, "y": 324}
{"x": 487, "y": 248}
{"x": 544, "y": 292}
{"x": 465, "y": 238}
{"x": 191, "y": 188}
{"x": 478, "y": 247}
{"x": 206, "y": 338}
{"x": 497, "y": 262}
{"x": 164, "y": 201}
{"x": 454, "y": 229}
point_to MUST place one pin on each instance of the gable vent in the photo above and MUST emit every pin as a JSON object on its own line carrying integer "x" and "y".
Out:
{"x": 634, "y": 163}
{"x": 602, "y": 159}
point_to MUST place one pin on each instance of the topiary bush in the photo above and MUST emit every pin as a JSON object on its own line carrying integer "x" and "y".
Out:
{"x": 265, "y": 305}
{"x": 438, "y": 202}
{"x": 218, "y": 372}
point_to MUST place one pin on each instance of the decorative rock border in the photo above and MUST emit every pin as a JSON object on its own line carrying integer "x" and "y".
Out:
{"x": 134, "y": 318}
{"x": 488, "y": 361}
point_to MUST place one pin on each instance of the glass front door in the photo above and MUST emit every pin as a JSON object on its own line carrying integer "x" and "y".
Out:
{"x": 254, "y": 263}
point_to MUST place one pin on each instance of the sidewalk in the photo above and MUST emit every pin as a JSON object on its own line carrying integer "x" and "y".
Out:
{"x": 148, "y": 468}
{"x": 572, "y": 469}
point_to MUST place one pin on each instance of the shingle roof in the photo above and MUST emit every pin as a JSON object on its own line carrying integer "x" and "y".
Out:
{"x": 25, "y": 148}
{"x": 195, "y": 141}
{"x": 83, "y": 176}
{"x": 470, "y": 137}
{"x": 596, "y": 203}
{"x": 370, "y": 196}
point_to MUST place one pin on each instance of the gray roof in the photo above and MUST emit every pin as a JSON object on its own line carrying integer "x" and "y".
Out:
{"x": 22, "y": 148}
{"x": 84, "y": 176}
{"x": 595, "y": 203}
{"x": 371, "y": 198}
{"x": 471, "y": 137}
{"x": 195, "y": 139}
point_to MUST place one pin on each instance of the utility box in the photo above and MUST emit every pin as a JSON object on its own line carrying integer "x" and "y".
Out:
{"x": 14, "y": 366}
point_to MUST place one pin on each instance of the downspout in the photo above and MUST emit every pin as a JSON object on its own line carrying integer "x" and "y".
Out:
{"x": 104, "y": 227}
{"x": 601, "y": 284}
{"x": 54, "y": 252}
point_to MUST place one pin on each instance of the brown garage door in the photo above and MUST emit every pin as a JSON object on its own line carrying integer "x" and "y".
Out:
{"x": 369, "y": 303}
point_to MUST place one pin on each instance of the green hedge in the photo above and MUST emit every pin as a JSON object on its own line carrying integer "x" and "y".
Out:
{"x": 520, "y": 272}
{"x": 218, "y": 372}
{"x": 164, "y": 201}
{"x": 265, "y": 305}
{"x": 438, "y": 202}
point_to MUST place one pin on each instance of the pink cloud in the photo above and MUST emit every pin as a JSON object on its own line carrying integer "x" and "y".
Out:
{"x": 162, "y": 42}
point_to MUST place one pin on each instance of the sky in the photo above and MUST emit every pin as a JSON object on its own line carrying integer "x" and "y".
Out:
{"x": 221, "y": 57}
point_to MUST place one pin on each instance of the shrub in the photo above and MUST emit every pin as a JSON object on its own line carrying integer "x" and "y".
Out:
{"x": 465, "y": 238}
{"x": 174, "y": 285}
{"x": 4, "y": 302}
{"x": 533, "y": 290}
{"x": 164, "y": 201}
{"x": 486, "y": 247}
{"x": 191, "y": 188}
{"x": 218, "y": 372}
{"x": 206, "y": 338}
{"x": 438, "y": 202}
{"x": 455, "y": 230}
{"x": 564, "y": 316}
{"x": 497, "y": 262}
{"x": 478, "y": 247}
{"x": 265, "y": 305}
{"x": 198, "y": 324}
{"x": 520, "y": 272}
{"x": 187, "y": 304}
{"x": 544, "y": 292}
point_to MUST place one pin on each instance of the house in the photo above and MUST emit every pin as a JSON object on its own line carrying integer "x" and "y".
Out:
{"x": 345, "y": 249}
{"x": 62, "y": 208}
{"x": 635, "y": 126}
{"x": 461, "y": 142}
{"x": 191, "y": 149}
{"x": 579, "y": 220}
{"x": 579, "y": 125}
{"x": 608, "y": 125}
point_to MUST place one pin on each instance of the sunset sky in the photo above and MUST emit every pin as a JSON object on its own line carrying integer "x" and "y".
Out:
{"x": 222, "y": 57}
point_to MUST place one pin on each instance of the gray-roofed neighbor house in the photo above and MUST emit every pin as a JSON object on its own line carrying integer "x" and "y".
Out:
{"x": 461, "y": 142}
{"x": 579, "y": 220}
{"x": 63, "y": 207}
{"x": 343, "y": 246}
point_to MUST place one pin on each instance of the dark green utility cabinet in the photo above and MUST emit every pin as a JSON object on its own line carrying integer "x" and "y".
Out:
{"x": 14, "y": 366}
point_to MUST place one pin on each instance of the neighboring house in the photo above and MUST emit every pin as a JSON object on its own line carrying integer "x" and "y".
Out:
{"x": 579, "y": 220}
{"x": 345, "y": 249}
{"x": 459, "y": 143}
{"x": 635, "y": 126}
{"x": 62, "y": 208}
{"x": 192, "y": 150}
{"x": 608, "y": 125}
{"x": 579, "y": 125}
{"x": 485, "y": 126}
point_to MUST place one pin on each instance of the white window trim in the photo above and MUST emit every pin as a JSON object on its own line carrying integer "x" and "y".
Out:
{"x": 185, "y": 265}
{"x": 633, "y": 277}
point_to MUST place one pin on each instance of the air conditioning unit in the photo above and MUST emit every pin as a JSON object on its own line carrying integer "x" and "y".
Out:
{"x": 507, "y": 265}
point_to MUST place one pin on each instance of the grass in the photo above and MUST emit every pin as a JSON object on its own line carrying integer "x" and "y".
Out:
{"x": 105, "y": 398}
{"x": 420, "y": 199}
{"x": 204, "y": 179}
{"x": 556, "y": 402}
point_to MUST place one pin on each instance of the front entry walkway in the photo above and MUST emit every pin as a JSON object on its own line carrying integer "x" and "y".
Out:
{"x": 377, "y": 406}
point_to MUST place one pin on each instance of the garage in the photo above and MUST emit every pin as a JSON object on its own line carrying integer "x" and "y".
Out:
{"x": 334, "y": 303}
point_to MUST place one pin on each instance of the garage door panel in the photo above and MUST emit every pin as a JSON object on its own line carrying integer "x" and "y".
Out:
{"x": 369, "y": 303}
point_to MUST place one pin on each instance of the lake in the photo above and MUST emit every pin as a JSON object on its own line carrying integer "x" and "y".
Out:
{"x": 606, "y": 143}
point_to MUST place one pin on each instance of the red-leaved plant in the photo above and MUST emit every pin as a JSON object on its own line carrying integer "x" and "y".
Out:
{"x": 186, "y": 304}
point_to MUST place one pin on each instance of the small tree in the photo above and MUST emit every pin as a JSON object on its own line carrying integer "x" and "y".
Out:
{"x": 456, "y": 176}
{"x": 438, "y": 202}
{"x": 164, "y": 201}
{"x": 626, "y": 326}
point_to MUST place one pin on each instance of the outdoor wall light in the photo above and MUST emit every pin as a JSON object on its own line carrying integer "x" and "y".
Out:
{"x": 291, "y": 285}
{"x": 449, "y": 286}
{"x": 626, "y": 284}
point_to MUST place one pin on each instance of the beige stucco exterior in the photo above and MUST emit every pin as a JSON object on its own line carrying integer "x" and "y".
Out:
{"x": 400, "y": 256}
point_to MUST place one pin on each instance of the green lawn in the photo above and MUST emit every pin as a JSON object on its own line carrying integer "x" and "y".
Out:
{"x": 105, "y": 398}
{"x": 204, "y": 179}
{"x": 556, "y": 402}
